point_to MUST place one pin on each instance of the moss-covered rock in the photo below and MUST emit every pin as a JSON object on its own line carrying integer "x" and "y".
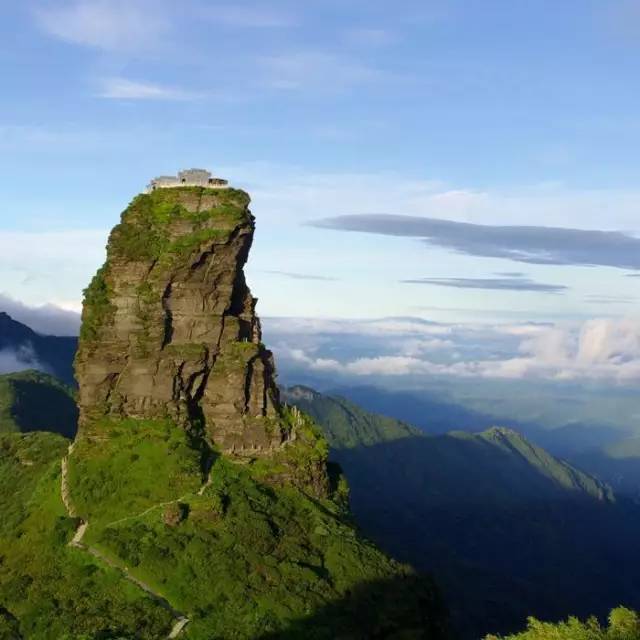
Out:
{"x": 169, "y": 325}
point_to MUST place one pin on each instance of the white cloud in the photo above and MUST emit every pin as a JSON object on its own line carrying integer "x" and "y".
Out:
{"x": 417, "y": 347}
{"x": 524, "y": 329}
{"x": 49, "y": 267}
{"x": 12, "y": 360}
{"x": 125, "y": 89}
{"x": 609, "y": 341}
{"x": 382, "y": 365}
{"x": 280, "y": 189}
{"x": 599, "y": 349}
{"x": 114, "y": 25}
{"x": 51, "y": 248}
{"x": 603, "y": 350}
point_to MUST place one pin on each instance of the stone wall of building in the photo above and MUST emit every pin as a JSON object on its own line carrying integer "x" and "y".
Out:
{"x": 188, "y": 178}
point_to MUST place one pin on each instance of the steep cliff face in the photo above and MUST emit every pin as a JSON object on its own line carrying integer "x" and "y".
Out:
{"x": 169, "y": 325}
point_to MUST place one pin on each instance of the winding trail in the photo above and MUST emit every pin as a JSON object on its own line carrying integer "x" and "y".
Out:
{"x": 181, "y": 620}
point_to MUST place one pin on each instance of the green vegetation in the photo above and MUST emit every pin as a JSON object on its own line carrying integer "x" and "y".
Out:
{"x": 130, "y": 465}
{"x": 188, "y": 350}
{"x": 562, "y": 474}
{"x": 158, "y": 226}
{"x": 145, "y": 230}
{"x": 345, "y": 424}
{"x": 302, "y": 461}
{"x": 624, "y": 624}
{"x": 243, "y": 557}
{"x": 35, "y": 401}
{"x": 141, "y": 522}
{"x": 97, "y": 309}
{"x": 246, "y": 559}
{"x": 47, "y": 589}
{"x": 234, "y": 357}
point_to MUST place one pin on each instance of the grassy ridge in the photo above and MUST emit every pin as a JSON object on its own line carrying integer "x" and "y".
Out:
{"x": 49, "y": 590}
{"x": 130, "y": 465}
{"x": 344, "y": 424}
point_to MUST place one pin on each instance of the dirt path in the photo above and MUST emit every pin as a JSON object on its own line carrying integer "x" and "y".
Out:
{"x": 64, "y": 484}
{"x": 181, "y": 621}
{"x": 203, "y": 488}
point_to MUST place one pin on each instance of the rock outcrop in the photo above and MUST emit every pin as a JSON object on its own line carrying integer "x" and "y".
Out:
{"x": 169, "y": 328}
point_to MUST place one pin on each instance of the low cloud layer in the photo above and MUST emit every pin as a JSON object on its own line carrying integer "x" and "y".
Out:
{"x": 602, "y": 350}
{"x": 534, "y": 245}
{"x": 516, "y": 282}
{"x": 46, "y": 319}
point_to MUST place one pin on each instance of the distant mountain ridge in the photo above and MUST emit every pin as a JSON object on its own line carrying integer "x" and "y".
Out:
{"x": 345, "y": 424}
{"x": 53, "y": 353}
{"x": 501, "y": 455}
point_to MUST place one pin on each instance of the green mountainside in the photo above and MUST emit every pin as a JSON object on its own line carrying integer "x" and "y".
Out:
{"x": 47, "y": 588}
{"x": 36, "y": 401}
{"x": 507, "y": 529}
{"x": 495, "y": 465}
{"x": 241, "y": 557}
{"x": 192, "y": 503}
{"x": 344, "y": 423}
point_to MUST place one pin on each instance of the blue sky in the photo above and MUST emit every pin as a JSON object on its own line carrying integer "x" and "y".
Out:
{"x": 495, "y": 114}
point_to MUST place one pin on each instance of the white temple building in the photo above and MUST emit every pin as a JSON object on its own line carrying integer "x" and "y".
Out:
{"x": 188, "y": 178}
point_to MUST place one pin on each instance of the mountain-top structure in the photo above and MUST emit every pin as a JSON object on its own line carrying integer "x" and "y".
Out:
{"x": 169, "y": 324}
{"x": 188, "y": 178}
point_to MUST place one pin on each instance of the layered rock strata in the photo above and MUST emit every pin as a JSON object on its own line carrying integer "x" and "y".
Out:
{"x": 169, "y": 324}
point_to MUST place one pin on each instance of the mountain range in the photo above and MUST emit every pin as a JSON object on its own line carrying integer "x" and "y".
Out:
{"x": 28, "y": 349}
{"x": 178, "y": 492}
{"x": 507, "y": 529}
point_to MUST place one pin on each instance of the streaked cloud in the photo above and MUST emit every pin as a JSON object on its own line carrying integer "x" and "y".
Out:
{"x": 112, "y": 25}
{"x": 515, "y": 283}
{"x": 301, "y": 276}
{"x": 125, "y": 89}
{"x": 529, "y": 244}
{"x": 609, "y": 299}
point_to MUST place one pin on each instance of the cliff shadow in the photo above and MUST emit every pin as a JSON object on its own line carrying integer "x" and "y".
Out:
{"x": 502, "y": 540}
{"x": 43, "y": 407}
{"x": 407, "y": 608}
